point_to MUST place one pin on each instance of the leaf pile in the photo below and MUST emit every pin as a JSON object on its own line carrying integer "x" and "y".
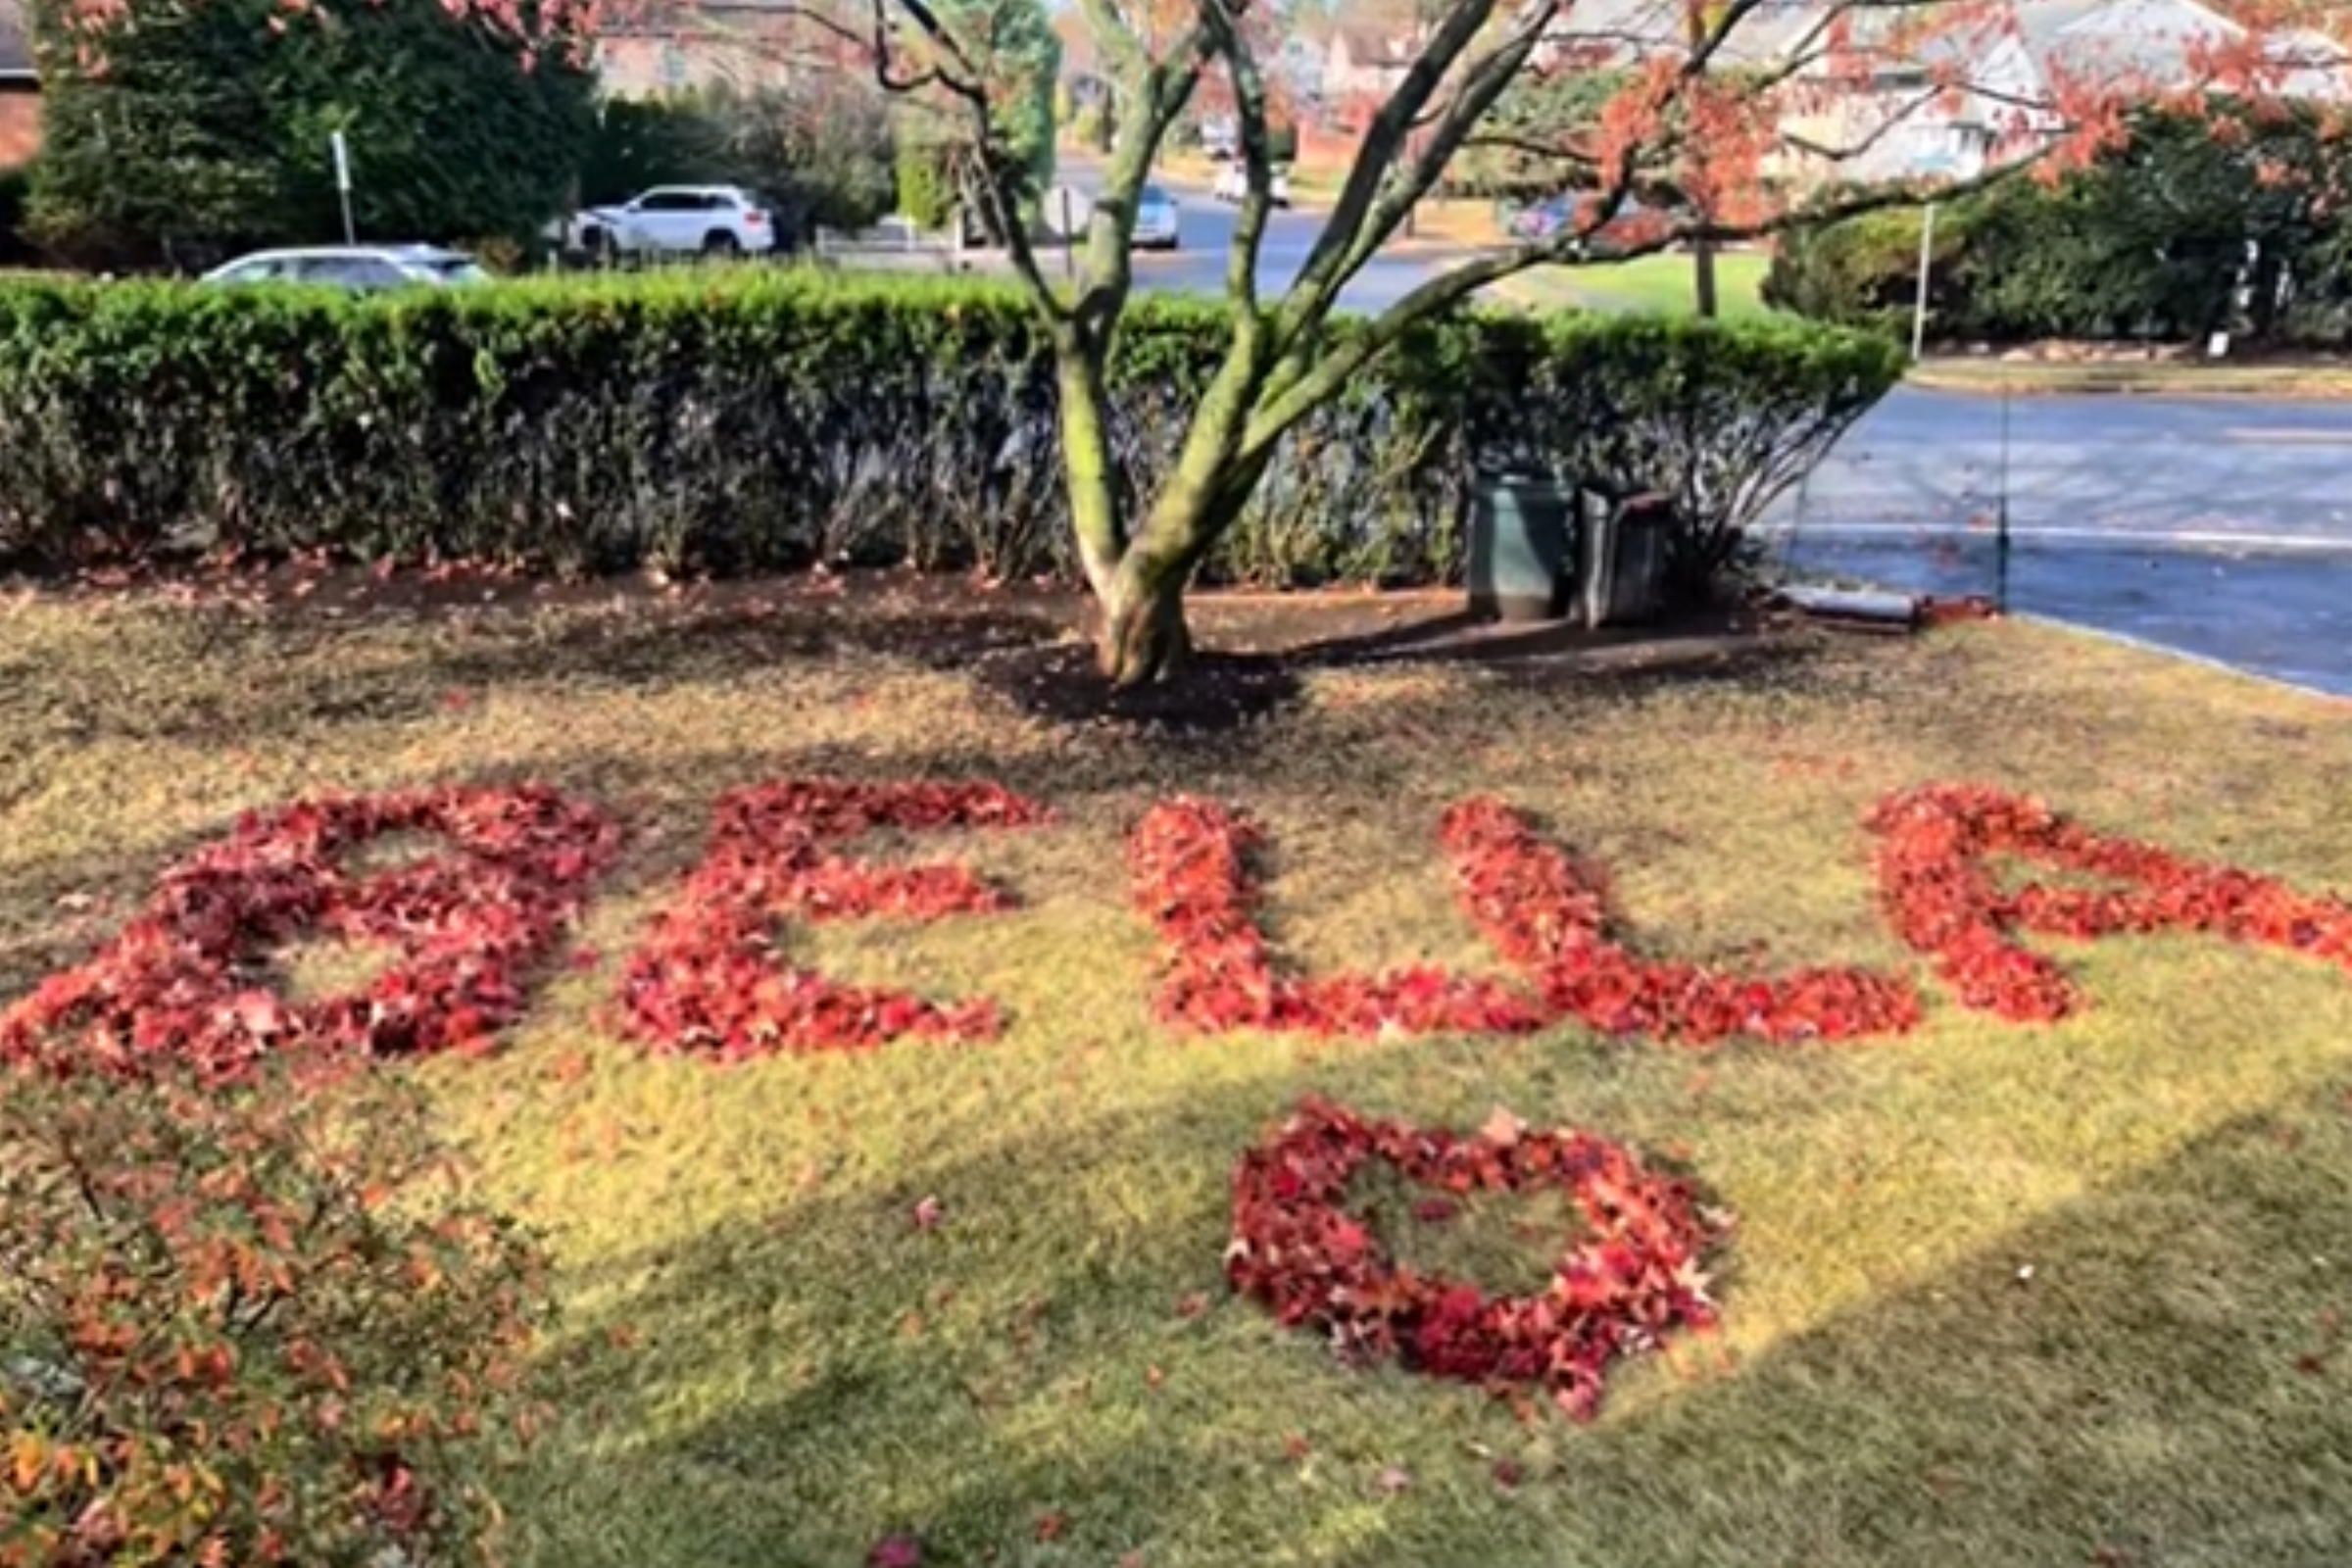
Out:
{"x": 1617, "y": 1290}
{"x": 706, "y": 978}
{"x": 1190, "y": 871}
{"x": 1189, "y": 865}
{"x": 1938, "y": 886}
{"x": 1547, "y": 915}
{"x": 183, "y": 981}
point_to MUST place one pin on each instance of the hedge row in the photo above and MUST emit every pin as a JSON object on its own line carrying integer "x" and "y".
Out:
{"x": 771, "y": 419}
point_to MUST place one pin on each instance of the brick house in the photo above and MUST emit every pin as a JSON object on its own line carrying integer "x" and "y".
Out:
{"x": 20, "y": 89}
{"x": 671, "y": 46}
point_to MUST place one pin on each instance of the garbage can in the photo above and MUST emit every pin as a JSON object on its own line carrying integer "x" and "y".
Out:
{"x": 1519, "y": 548}
{"x": 1621, "y": 555}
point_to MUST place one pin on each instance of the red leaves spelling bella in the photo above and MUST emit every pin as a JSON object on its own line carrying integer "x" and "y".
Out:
{"x": 184, "y": 979}
{"x": 1545, "y": 915}
{"x": 1191, "y": 875}
{"x": 1633, "y": 1276}
{"x": 707, "y": 977}
{"x": 1939, "y": 887}
{"x": 1189, "y": 860}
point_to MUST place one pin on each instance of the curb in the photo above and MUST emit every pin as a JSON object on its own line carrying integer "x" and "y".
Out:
{"x": 2290, "y": 386}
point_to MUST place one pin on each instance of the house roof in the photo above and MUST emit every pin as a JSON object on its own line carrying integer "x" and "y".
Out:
{"x": 1636, "y": 25}
{"x": 2151, "y": 44}
{"x": 15, "y": 44}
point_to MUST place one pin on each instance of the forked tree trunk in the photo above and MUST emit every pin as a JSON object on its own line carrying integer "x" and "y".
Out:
{"x": 1139, "y": 575}
{"x": 1142, "y": 637}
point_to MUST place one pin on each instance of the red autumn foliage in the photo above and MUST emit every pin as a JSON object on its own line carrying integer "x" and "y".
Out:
{"x": 183, "y": 981}
{"x": 258, "y": 1323}
{"x": 1618, "y": 1289}
{"x": 1937, "y": 882}
{"x": 706, "y": 978}
{"x": 1189, "y": 862}
{"x": 1544, "y": 913}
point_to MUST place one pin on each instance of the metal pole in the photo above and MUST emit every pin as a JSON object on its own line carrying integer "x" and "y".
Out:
{"x": 343, "y": 184}
{"x": 1070, "y": 258}
{"x": 2000, "y": 538}
{"x": 1926, "y": 263}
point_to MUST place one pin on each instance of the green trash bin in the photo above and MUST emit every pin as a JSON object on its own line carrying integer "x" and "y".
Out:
{"x": 1521, "y": 543}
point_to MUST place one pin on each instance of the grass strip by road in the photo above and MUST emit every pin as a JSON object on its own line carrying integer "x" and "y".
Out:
{"x": 2171, "y": 379}
{"x": 1664, "y": 284}
{"x": 2030, "y": 1296}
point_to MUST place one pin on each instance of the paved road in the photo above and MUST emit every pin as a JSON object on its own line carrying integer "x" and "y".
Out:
{"x": 1205, "y": 228}
{"x": 2218, "y": 527}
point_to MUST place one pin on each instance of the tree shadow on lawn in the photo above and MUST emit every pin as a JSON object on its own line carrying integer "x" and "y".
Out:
{"x": 2166, "y": 1388}
{"x": 1223, "y": 690}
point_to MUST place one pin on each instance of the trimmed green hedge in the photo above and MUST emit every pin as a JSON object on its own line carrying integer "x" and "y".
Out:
{"x": 764, "y": 421}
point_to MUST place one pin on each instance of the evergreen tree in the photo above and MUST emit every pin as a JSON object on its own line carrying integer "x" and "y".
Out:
{"x": 176, "y": 131}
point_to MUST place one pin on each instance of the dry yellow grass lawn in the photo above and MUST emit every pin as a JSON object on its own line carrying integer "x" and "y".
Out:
{"x": 765, "y": 1362}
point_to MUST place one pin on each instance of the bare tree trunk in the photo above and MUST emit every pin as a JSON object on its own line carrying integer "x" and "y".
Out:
{"x": 1144, "y": 637}
{"x": 1702, "y": 276}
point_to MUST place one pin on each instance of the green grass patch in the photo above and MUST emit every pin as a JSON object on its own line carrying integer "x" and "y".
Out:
{"x": 1999, "y": 1295}
{"x": 1661, "y": 284}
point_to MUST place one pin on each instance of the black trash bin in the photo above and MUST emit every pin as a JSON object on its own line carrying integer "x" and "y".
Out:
{"x": 1520, "y": 547}
{"x": 1621, "y": 555}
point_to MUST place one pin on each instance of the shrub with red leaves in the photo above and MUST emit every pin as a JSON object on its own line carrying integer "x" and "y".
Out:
{"x": 264, "y": 1322}
{"x": 706, "y": 978}
{"x": 184, "y": 980}
{"x": 1189, "y": 865}
{"x": 1545, "y": 915}
{"x": 1937, "y": 883}
{"x": 1617, "y": 1290}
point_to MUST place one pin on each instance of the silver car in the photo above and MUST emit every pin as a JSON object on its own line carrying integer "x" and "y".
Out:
{"x": 364, "y": 268}
{"x": 1156, "y": 221}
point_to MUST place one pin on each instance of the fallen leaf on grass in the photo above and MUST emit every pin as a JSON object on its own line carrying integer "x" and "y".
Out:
{"x": 1502, "y": 1128}
{"x": 1395, "y": 1479}
{"x": 1050, "y": 1526}
{"x": 927, "y": 1214}
{"x": 895, "y": 1551}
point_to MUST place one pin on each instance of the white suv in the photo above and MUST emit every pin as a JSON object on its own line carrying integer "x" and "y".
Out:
{"x": 669, "y": 219}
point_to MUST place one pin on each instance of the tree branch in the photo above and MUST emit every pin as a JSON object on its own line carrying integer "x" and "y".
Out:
{"x": 994, "y": 170}
{"x": 1322, "y": 278}
{"x": 1336, "y": 367}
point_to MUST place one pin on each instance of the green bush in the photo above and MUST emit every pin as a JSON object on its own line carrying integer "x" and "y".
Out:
{"x": 16, "y": 188}
{"x": 645, "y": 142}
{"x": 763, "y": 421}
{"x": 1864, "y": 272}
{"x": 2152, "y": 243}
{"x": 928, "y": 188}
{"x": 248, "y": 1326}
{"x": 209, "y": 129}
